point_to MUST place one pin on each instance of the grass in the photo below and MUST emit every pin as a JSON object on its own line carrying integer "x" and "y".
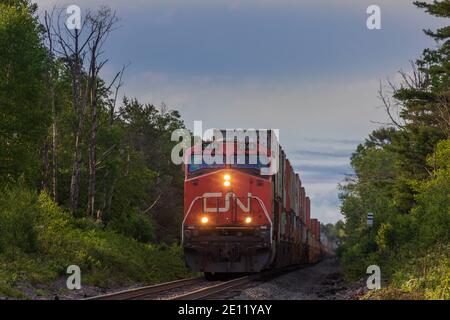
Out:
{"x": 40, "y": 240}
{"x": 427, "y": 278}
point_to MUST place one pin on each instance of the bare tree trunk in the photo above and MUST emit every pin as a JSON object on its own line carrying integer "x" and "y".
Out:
{"x": 54, "y": 129}
{"x": 74, "y": 46}
{"x": 110, "y": 197}
{"x": 45, "y": 167}
{"x": 81, "y": 93}
{"x": 112, "y": 105}
{"x": 103, "y": 24}
{"x": 78, "y": 155}
{"x": 127, "y": 172}
{"x": 76, "y": 169}
{"x": 48, "y": 23}
{"x": 79, "y": 110}
{"x": 93, "y": 154}
{"x": 54, "y": 147}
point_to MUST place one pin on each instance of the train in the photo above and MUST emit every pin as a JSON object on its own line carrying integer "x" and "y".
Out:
{"x": 239, "y": 220}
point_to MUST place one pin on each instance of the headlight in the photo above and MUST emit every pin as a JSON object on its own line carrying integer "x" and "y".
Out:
{"x": 248, "y": 220}
{"x": 204, "y": 220}
{"x": 227, "y": 180}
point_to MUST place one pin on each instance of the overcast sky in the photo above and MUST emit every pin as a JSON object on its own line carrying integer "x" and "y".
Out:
{"x": 309, "y": 68}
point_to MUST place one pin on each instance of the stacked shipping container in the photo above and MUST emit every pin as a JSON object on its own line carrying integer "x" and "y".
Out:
{"x": 296, "y": 225}
{"x": 292, "y": 207}
{"x": 315, "y": 228}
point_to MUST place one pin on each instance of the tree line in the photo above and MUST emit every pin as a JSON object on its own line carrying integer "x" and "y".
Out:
{"x": 402, "y": 176}
{"x": 64, "y": 132}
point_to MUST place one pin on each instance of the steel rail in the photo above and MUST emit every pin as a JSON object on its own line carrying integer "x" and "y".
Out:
{"x": 197, "y": 294}
{"x": 215, "y": 289}
{"x": 206, "y": 292}
{"x": 146, "y": 291}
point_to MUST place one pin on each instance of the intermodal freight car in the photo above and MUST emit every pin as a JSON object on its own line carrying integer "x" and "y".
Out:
{"x": 237, "y": 219}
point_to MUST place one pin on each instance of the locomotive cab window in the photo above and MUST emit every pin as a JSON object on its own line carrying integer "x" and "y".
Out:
{"x": 244, "y": 162}
{"x": 207, "y": 163}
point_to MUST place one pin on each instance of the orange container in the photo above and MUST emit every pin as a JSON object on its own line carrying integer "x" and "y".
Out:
{"x": 308, "y": 212}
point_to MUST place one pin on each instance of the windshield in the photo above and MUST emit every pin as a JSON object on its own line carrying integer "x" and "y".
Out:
{"x": 240, "y": 162}
{"x": 201, "y": 163}
{"x": 250, "y": 162}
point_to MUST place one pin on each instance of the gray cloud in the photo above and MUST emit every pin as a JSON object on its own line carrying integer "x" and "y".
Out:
{"x": 335, "y": 154}
{"x": 333, "y": 140}
{"x": 234, "y": 4}
{"x": 309, "y": 68}
{"x": 323, "y": 173}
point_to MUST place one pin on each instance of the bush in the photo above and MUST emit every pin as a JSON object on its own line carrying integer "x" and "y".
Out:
{"x": 427, "y": 277}
{"x": 134, "y": 225}
{"x": 47, "y": 240}
{"x": 412, "y": 248}
{"x": 18, "y": 214}
{"x": 433, "y": 199}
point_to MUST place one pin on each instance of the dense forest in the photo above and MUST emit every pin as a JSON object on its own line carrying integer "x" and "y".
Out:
{"x": 85, "y": 179}
{"x": 402, "y": 176}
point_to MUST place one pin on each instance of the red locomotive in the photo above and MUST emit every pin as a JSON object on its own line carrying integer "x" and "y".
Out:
{"x": 238, "y": 220}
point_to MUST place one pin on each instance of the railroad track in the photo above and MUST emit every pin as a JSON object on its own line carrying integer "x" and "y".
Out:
{"x": 183, "y": 292}
{"x": 148, "y": 292}
{"x": 209, "y": 291}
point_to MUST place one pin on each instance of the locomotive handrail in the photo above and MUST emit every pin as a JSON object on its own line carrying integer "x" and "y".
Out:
{"x": 185, "y": 217}
{"x": 267, "y": 216}
{"x": 261, "y": 203}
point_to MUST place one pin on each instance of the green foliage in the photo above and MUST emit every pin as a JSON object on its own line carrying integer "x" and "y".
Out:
{"x": 157, "y": 183}
{"x": 18, "y": 215}
{"x": 24, "y": 118}
{"x": 135, "y": 172}
{"x": 433, "y": 199}
{"x": 138, "y": 198}
{"x": 402, "y": 176}
{"x": 50, "y": 240}
{"x": 135, "y": 225}
{"x": 332, "y": 231}
{"x": 138, "y": 190}
{"x": 427, "y": 277}
{"x": 331, "y": 234}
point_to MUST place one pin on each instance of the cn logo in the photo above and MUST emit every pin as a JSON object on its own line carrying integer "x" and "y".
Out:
{"x": 228, "y": 196}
